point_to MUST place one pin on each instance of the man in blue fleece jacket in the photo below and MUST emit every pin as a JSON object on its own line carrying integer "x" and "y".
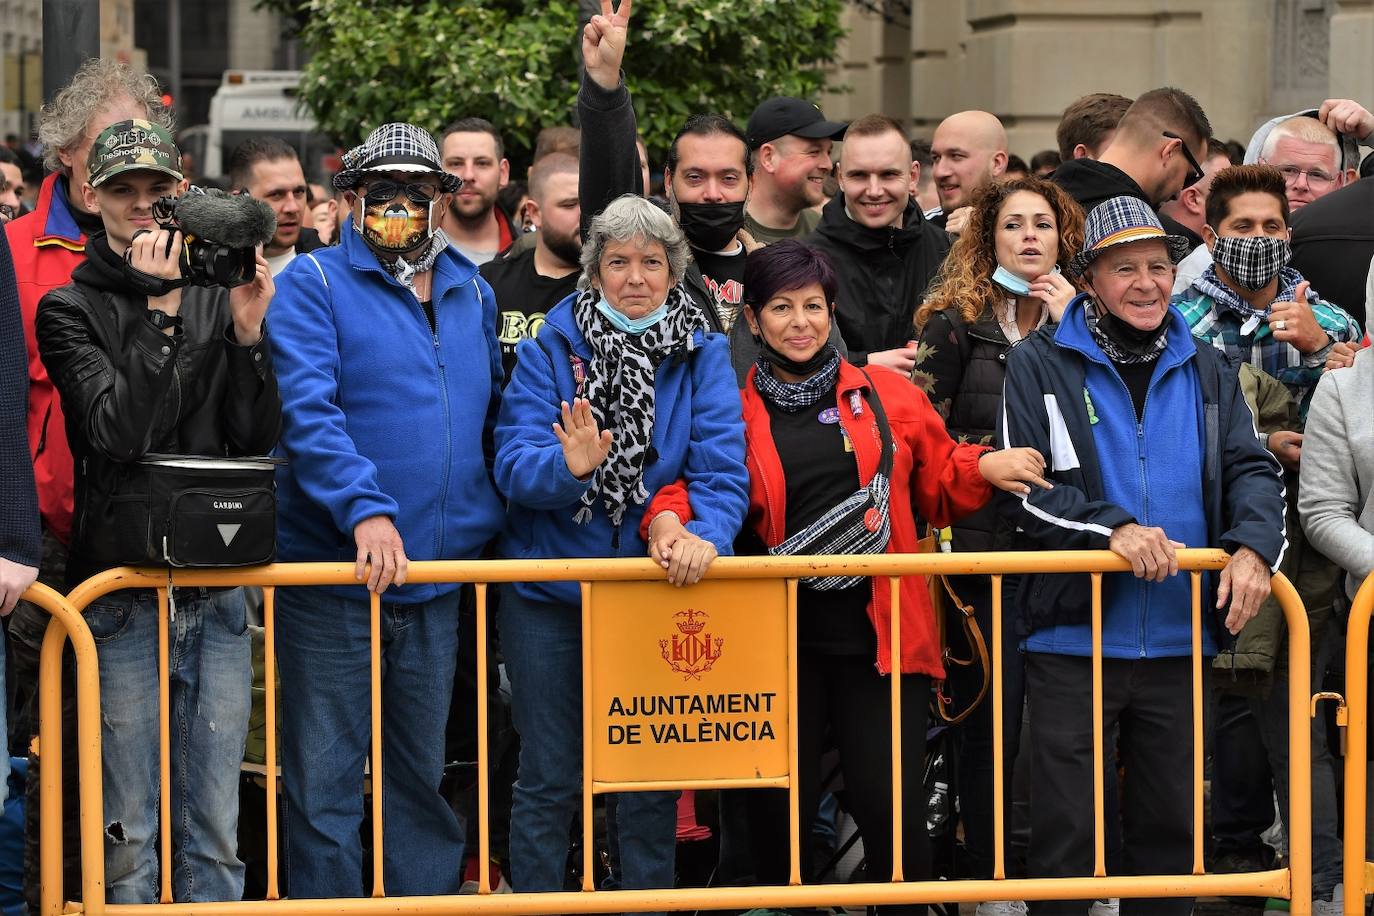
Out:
{"x": 1151, "y": 447}
{"x": 390, "y": 377}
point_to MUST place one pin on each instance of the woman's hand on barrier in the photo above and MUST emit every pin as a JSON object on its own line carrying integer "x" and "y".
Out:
{"x": 1245, "y": 582}
{"x": 1150, "y": 551}
{"x": 380, "y": 544}
{"x": 584, "y": 448}
{"x": 1014, "y": 469}
{"x": 15, "y": 578}
{"x": 690, "y": 558}
{"x": 665, "y": 531}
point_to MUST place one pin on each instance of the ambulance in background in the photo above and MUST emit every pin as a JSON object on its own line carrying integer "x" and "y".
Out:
{"x": 256, "y": 103}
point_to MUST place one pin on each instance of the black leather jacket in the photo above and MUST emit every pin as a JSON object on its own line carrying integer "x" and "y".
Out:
{"x": 129, "y": 390}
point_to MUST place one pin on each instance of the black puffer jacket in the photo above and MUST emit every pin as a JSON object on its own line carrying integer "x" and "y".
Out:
{"x": 882, "y": 275}
{"x": 960, "y": 367}
{"x": 129, "y": 390}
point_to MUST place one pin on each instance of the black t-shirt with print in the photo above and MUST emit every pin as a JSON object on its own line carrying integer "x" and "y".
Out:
{"x": 724, "y": 278}
{"x": 523, "y": 297}
{"x": 821, "y": 471}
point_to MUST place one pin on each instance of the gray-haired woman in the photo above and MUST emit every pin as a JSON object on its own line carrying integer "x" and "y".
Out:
{"x": 622, "y": 392}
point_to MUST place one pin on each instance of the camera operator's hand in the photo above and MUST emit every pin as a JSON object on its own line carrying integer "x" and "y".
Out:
{"x": 157, "y": 252}
{"x": 248, "y": 303}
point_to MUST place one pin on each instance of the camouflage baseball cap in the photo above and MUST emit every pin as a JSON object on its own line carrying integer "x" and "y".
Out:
{"x": 129, "y": 145}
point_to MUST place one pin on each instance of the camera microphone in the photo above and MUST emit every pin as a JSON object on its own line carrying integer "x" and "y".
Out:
{"x": 236, "y": 221}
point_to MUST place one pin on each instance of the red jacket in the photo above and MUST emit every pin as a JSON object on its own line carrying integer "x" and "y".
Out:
{"x": 47, "y": 245}
{"x": 929, "y": 469}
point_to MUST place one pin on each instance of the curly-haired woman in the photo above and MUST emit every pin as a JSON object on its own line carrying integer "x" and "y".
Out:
{"x": 1000, "y": 282}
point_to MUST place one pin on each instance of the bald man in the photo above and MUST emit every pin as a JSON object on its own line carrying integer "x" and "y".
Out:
{"x": 969, "y": 151}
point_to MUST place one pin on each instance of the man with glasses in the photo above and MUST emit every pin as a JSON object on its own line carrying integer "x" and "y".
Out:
{"x": 390, "y": 375}
{"x": 1317, "y": 152}
{"x": 1153, "y": 154}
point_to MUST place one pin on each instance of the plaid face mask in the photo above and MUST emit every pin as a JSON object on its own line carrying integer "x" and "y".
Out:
{"x": 1251, "y": 261}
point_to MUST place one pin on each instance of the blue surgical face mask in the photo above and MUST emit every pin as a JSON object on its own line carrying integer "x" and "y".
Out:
{"x": 631, "y": 325}
{"x": 1013, "y": 283}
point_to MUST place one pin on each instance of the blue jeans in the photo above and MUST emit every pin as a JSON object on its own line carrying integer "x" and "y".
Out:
{"x": 324, "y": 659}
{"x": 542, "y": 645}
{"x": 210, "y": 675}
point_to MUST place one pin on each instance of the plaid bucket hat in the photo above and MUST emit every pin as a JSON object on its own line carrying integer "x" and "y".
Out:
{"x": 1118, "y": 221}
{"x": 395, "y": 147}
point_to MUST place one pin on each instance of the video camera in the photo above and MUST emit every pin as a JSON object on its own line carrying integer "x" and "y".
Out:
{"x": 220, "y": 233}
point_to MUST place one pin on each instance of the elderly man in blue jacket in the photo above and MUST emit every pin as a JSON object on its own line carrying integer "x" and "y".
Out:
{"x": 390, "y": 376}
{"x": 1151, "y": 447}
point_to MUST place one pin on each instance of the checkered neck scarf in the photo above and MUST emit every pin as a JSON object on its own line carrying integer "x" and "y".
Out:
{"x": 790, "y": 397}
{"x": 1115, "y": 351}
{"x": 404, "y": 271}
{"x": 1227, "y": 298}
{"x": 620, "y": 387}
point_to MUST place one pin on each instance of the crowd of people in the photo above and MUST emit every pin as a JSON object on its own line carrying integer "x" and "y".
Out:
{"x": 1124, "y": 344}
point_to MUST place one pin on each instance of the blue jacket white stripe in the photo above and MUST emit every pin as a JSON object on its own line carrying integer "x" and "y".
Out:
{"x": 1193, "y": 466}
{"x": 698, "y": 436}
{"x": 381, "y": 415}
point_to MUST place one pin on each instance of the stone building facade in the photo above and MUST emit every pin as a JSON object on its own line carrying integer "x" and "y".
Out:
{"x": 1024, "y": 60}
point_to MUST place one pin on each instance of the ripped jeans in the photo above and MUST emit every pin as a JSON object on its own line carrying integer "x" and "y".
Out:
{"x": 210, "y": 669}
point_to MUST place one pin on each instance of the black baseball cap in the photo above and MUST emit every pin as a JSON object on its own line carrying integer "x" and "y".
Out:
{"x": 781, "y": 116}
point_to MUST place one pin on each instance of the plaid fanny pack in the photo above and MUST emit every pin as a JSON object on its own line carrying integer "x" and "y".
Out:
{"x": 860, "y": 524}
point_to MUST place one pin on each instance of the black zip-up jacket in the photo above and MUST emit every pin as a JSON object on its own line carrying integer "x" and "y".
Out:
{"x": 1240, "y": 481}
{"x": 961, "y": 368}
{"x": 882, "y": 275}
{"x": 1333, "y": 243}
{"x": 129, "y": 390}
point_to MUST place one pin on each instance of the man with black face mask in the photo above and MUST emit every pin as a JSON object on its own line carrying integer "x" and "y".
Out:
{"x": 390, "y": 377}
{"x": 1151, "y": 446}
{"x": 706, "y": 178}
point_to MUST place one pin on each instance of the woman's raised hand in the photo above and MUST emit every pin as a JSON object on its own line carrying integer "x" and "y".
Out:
{"x": 1014, "y": 469}
{"x": 584, "y": 448}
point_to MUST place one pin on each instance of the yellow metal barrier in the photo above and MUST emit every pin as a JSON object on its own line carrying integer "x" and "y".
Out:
{"x": 1293, "y": 882}
{"x": 1359, "y": 874}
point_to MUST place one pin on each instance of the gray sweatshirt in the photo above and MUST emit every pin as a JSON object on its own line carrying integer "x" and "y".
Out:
{"x": 1336, "y": 496}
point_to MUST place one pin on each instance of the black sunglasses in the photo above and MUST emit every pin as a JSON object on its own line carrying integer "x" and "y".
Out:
{"x": 1194, "y": 170}
{"x": 385, "y": 189}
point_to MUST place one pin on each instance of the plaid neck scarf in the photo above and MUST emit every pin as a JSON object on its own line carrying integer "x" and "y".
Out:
{"x": 790, "y": 397}
{"x": 1227, "y": 298}
{"x": 1117, "y": 352}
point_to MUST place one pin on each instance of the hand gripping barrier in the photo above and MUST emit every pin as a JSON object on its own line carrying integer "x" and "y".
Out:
{"x": 688, "y": 658}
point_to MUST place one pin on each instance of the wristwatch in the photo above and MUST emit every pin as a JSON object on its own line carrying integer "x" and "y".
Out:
{"x": 162, "y": 321}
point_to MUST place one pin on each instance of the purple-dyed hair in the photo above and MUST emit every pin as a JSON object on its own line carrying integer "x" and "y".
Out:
{"x": 784, "y": 266}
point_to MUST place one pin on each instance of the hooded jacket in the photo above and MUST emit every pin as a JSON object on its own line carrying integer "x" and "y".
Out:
{"x": 881, "y": 275}
{"x": 1091, "y": 182}
{"x": 129, "y": 390}
{"x": 1061, "y": 395}
{"x": 382, "y": 414}
{"x": 697, "y": 436}
{"x": 46, "y": 245}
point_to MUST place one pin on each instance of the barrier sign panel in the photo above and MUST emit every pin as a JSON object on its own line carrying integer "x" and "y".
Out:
{"x": 689, "y": 683}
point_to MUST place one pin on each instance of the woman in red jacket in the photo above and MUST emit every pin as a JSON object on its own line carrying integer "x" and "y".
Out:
{"x": 837, "y": 458}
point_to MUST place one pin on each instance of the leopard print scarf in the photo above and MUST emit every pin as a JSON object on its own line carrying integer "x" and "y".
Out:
{"x": 620, "y": 387}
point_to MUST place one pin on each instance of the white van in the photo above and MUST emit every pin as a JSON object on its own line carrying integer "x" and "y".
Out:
{"x": 255, "y": 103}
